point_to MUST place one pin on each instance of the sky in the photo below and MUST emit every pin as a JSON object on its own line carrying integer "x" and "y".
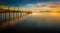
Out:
{"x": 23, "y": 2}
{"x": 30, "y": 3}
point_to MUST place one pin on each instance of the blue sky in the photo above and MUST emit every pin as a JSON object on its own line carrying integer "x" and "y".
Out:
{"x": 22, "y": 3}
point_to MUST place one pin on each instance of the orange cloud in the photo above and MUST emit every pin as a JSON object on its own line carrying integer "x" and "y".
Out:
{"x": 50, "y": 6}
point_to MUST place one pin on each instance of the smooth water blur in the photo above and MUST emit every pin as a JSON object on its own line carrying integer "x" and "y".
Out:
{"x": 41, "y": 20}
{"x": 37, "y": 22}
{"x": 9, "y": 16}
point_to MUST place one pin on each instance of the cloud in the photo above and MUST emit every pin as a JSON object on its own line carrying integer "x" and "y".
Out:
{"x": 30, "y": 5}
{"x": 44, "y": 6}
{"x": 48, "y": 4}
{"x": 35, "y": 5}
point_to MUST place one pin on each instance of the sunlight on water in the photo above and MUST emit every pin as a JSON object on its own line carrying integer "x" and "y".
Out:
{"x": 50, "y": 17}
{"x": 45, "y": 19}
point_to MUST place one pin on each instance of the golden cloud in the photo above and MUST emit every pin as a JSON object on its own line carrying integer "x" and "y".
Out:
{"x": 54, "y": 6}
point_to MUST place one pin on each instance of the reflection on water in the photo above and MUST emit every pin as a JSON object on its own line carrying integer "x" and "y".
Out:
{"x": 36, "y": 22}
{"x": 8, "y": 16}
{"x": 41, "y": 20}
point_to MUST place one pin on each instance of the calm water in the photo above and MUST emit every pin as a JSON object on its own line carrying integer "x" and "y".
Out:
{"x": 37, "y": 22}
{"x": 40, "y": 20}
